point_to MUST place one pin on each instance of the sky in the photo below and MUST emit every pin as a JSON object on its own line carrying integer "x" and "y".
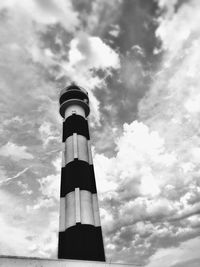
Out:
{"x": 139, "y": 60}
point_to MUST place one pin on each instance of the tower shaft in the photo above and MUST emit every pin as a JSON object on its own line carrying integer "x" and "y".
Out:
{"x": 80, "y": 235}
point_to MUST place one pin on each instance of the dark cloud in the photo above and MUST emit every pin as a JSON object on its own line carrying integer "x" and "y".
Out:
{"x": 179, "y": 3}
{"x": 137, "y": 26}
{"x": 57, "y": 40}
{"x": 97, "y": 16}
{"x": 136, "y": 42}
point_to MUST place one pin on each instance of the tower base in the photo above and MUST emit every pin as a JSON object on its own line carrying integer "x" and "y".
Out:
{"x": 9, "y": 261}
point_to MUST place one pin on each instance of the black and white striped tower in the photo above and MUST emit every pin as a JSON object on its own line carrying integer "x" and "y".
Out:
{"x": 80, "y": 235}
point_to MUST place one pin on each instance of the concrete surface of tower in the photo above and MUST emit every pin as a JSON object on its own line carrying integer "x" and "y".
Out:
{"x": 80, "y": 234}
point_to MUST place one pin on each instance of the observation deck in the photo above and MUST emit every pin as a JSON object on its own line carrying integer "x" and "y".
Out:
{"x": 74, "y": 95}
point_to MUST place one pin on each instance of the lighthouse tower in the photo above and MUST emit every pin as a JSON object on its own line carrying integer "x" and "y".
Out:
{"x": 80, "y": 235}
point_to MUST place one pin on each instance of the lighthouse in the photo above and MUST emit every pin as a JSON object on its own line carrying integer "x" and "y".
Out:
{"x": 80, "y": 234}
{"x": 80, "y": 240}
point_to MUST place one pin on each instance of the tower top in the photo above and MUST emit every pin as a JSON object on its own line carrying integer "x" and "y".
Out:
{"x": 71, "y": 87}
{"x": 74, "y": 95}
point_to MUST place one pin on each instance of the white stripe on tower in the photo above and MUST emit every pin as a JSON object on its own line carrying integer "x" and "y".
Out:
{"x": 75, "y": 145}
{"x": 79, "y": 206}
{"x": 96, "y": 210}
{"x": 74, "y": 109}
{"x": 70, "y": 218}
{"x": 90, "y": 153}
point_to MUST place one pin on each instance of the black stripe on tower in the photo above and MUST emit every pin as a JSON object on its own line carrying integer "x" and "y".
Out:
{"x": 77, "y": 242}
{"x": 75, "y": 124}
{"x": 73, "y": 94}
{"x": 77, "y": 173}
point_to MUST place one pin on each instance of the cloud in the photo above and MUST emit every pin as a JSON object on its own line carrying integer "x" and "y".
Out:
{"x": 130, "y": 187}
{"x": 170, "y": 109}
{"x": 10, "y": 233}
{"x": 191, "y": 263}
{"x": 21, "y": 78}
{"x": 46, "y": 12}
{"x": 97, "y": 16}
{"x": 7, "y": 180}
{"x": 85, "y": 57}
{"x": 181, "y": 22}
{"x": 92, "y": 52}
{"x": 29, "y": 99}
{"x": 103, "y": 172}
{"x": 17, "y": 227}
{"x": 184, "y": 255}
{"x": 49, "y": 186}
{"x": 167, "y": 6}
{"x": 48, "y": 133}
{"x": 15, "y": 152}
{"x": 115, "y": 31}
{"x": 61, "y": 12}
{"x": 144, "y": 184}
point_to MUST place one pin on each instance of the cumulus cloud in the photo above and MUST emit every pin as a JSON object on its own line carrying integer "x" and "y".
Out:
{"x": 140, "y": 153}
{"x": 87, "y": 51}
{"x": 163, "y": 152}
{"x": 131, "y": 189}
{"x": 181, "y": 22}
{"x": 156, "y": 166}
